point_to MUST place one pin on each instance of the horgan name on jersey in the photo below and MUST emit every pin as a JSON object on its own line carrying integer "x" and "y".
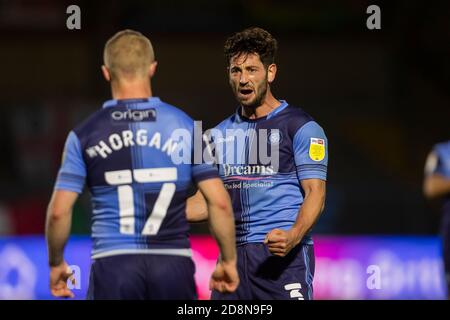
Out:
{"x": 126, "y": 138}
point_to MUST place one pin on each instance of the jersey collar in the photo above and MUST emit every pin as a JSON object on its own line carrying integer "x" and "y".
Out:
{"x": 273, "y": 113}
{"x": 115, "y": 102}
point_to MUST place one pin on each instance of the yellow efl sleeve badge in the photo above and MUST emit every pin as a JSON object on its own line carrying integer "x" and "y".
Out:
{"x": 317, "y": 149}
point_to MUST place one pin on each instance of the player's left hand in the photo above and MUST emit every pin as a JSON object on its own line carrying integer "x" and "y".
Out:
{"x": 281, "y": 242}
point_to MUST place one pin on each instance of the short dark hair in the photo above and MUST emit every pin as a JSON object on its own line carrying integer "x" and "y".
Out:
{"x": 252, "y": 40}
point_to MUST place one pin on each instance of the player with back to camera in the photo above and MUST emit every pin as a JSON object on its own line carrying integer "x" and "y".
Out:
{"x": 123, "y": 153}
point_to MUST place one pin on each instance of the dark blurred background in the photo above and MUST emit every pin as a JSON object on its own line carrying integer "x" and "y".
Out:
{"x": 382, "y": 96}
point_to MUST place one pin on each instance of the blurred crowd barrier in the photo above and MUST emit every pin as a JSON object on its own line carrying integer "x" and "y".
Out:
{"x": 350, "y": 267}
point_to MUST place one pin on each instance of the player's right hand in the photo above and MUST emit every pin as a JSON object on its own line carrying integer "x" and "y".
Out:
{"x": 225, "y": 278}
{"x": 58, "y": 280}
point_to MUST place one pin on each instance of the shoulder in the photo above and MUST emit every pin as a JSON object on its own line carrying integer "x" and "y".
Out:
{"x": 174, "y": 113}
{"x": 226, "y": 123}
{"x": 299, "y": 120}
{"x": 91, "y": 122}
{"x": 442, "y": 149}
{"x": 310, "y": 133}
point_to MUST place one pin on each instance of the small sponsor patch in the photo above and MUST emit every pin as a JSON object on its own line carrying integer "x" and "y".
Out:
{"x": 275, "y": 137}
{"x": 130, "y": 115}
{"x": 317, "y": 149}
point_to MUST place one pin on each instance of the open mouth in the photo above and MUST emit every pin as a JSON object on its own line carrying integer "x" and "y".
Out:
{"x": 245, "y": 92}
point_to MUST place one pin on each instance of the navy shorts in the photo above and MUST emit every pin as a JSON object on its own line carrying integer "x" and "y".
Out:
{"x": 267, "y": 277}
{"x": 142, "y": 277}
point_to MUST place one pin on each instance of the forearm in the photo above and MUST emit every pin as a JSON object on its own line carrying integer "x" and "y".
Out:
{"x": 196, "y": 208}
{"x": 57, "y": 233}
{"x": 436, "y": 186}
{"x": 220, "y": 217}
{"x": 221, "y": 222}
{"x": 309, "y": 213}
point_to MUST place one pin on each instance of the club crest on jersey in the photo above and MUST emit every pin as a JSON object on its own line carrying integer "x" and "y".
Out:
{"x": 317, "y": 149}
{"x": 134, "y": 115}
{"x": 275, "y": 137}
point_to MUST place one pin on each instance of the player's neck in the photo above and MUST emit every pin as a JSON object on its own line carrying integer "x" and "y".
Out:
{"x": 269, "y": 104}
{"x": 131, "y": 90}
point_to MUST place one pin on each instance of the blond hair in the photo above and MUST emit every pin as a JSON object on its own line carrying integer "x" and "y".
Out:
{"x": 128, "y": 54}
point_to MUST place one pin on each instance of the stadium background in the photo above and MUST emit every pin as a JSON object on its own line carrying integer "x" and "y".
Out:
{"x": 381, "y": 95}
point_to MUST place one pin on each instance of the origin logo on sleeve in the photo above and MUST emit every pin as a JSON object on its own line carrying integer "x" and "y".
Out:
{"x": 317, "y": 149}
{"x": 133, "y": 115}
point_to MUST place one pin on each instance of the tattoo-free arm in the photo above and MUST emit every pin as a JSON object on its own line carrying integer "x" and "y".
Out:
{"x": 281, "y": 242}
{"x": 59, "y": 220}
{"x": 196, "y": 208}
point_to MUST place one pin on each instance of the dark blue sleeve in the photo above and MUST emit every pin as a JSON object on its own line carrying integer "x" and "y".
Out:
{"x": 202, "y": 172}
{"x": 72, "y": 174}
{"x": 311, "y": 152}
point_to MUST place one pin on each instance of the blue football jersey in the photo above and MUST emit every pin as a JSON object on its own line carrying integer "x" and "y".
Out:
{"x": 441, "y": 166}
{"x": 123, "y": 153}
{"x": 266, "y": 192}
{"x": 442, "y": 152}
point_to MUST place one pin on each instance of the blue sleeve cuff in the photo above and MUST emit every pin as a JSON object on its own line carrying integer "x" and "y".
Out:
{"x": 69, "y": 182}
{"x": 312, "y": 171}
{"x": 202, "y": 172}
